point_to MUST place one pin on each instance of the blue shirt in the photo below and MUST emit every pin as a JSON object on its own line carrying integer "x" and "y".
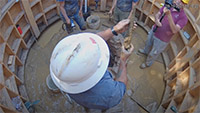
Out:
{"x": 105, "y": 94}
{"x": 125, "y": 5}
{"x": 71, "y": 6}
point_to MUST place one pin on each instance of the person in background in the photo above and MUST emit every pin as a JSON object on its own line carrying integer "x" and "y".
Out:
{"x": 79, "y": 67}
{"x": 159, "y": 37}
{"x": 122, "y": 10}
{"x": 69, "y": 9}
{"x": 96, "y": 5}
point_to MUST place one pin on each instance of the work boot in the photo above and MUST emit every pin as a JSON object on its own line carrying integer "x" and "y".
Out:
{"x": 83, "y": 27}
{"x": 141, "y": 51}
{"x": 103, "y": 111}
{"x": 67, "y": 27}
{"x": 87, "y": 110}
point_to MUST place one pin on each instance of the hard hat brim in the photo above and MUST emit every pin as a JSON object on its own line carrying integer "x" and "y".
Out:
{"x": 185, "y": 1}
{"x": 91, "y": 81}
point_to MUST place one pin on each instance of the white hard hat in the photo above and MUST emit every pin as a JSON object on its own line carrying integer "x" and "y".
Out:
{"x": 78, "y": 62}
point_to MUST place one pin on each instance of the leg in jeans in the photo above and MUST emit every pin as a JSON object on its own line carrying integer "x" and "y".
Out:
{"x": 149, "y": 42}
{"x": 158, "y": 47}
{"x": 124, "y": 15}
{"x": 80, "y": 21}
{"x": 116, "y": 15}
{"x": 62, "y": 18}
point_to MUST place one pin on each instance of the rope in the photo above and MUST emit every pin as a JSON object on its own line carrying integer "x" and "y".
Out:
{"x": 127, "y": 41}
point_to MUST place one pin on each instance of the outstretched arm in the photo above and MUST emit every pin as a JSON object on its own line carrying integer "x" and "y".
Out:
{"x": 131, "y": 12}
{"x": 62, "y": 9}
{"x": 123, "y": 65}
{"x": 174, "y": 27}
{"x": 157, "y": 21}
{"x": 113, "y": 6}
{"x": 119, "y": 28}
{"x": 123, "y": 72}
{"x": 81, "y": 7}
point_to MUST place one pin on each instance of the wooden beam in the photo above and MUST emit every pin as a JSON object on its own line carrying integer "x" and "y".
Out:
{"x": 27, "y": 9}
{"x": 103, "y": 5}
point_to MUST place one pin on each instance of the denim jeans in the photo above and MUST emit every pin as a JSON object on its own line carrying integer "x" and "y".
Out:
{"x": 153, "y": 47}
{"x": 120, "y": 15}
{"x": 79, "y": 20}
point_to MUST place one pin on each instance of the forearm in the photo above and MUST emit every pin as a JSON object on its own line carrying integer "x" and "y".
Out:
{"x": 172, "y": 25}
{"x": 81, "y": 5}
{"x": 62, "y": 9}
{"x": 123, "y": 74}
{"x": 106, "y": 35}
{"x": 157, "y": 17}
{"x": 114, "y": 4}
{"x": 117, "y": 29}
{"x": 131, "y": 12}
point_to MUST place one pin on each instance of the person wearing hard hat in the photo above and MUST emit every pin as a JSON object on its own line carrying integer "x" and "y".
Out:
{"x": 78, "y": 66}
{"x": 69, "y": 9}
{"x": 122, "y": 9}
{"x": 168, "y": 21}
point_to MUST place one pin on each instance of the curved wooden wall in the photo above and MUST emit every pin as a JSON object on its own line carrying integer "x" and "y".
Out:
{"x": 181, "y": 57}
{"x": 33, "y": 16}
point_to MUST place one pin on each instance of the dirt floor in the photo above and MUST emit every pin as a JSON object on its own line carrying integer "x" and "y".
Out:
{"x": 145, "y": 87}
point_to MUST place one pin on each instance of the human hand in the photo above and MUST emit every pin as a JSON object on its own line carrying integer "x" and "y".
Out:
{"x": 158, "y": 23}
{"x": 126, "y": 53}
{"x": 80, "y": 13}
{"x": 110, "y": 12}
{"x": 121, "y": 26}
{"x": 68, "y": 21}
{"x": 166, "y": 11}
{"x": 134, "y": 26}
